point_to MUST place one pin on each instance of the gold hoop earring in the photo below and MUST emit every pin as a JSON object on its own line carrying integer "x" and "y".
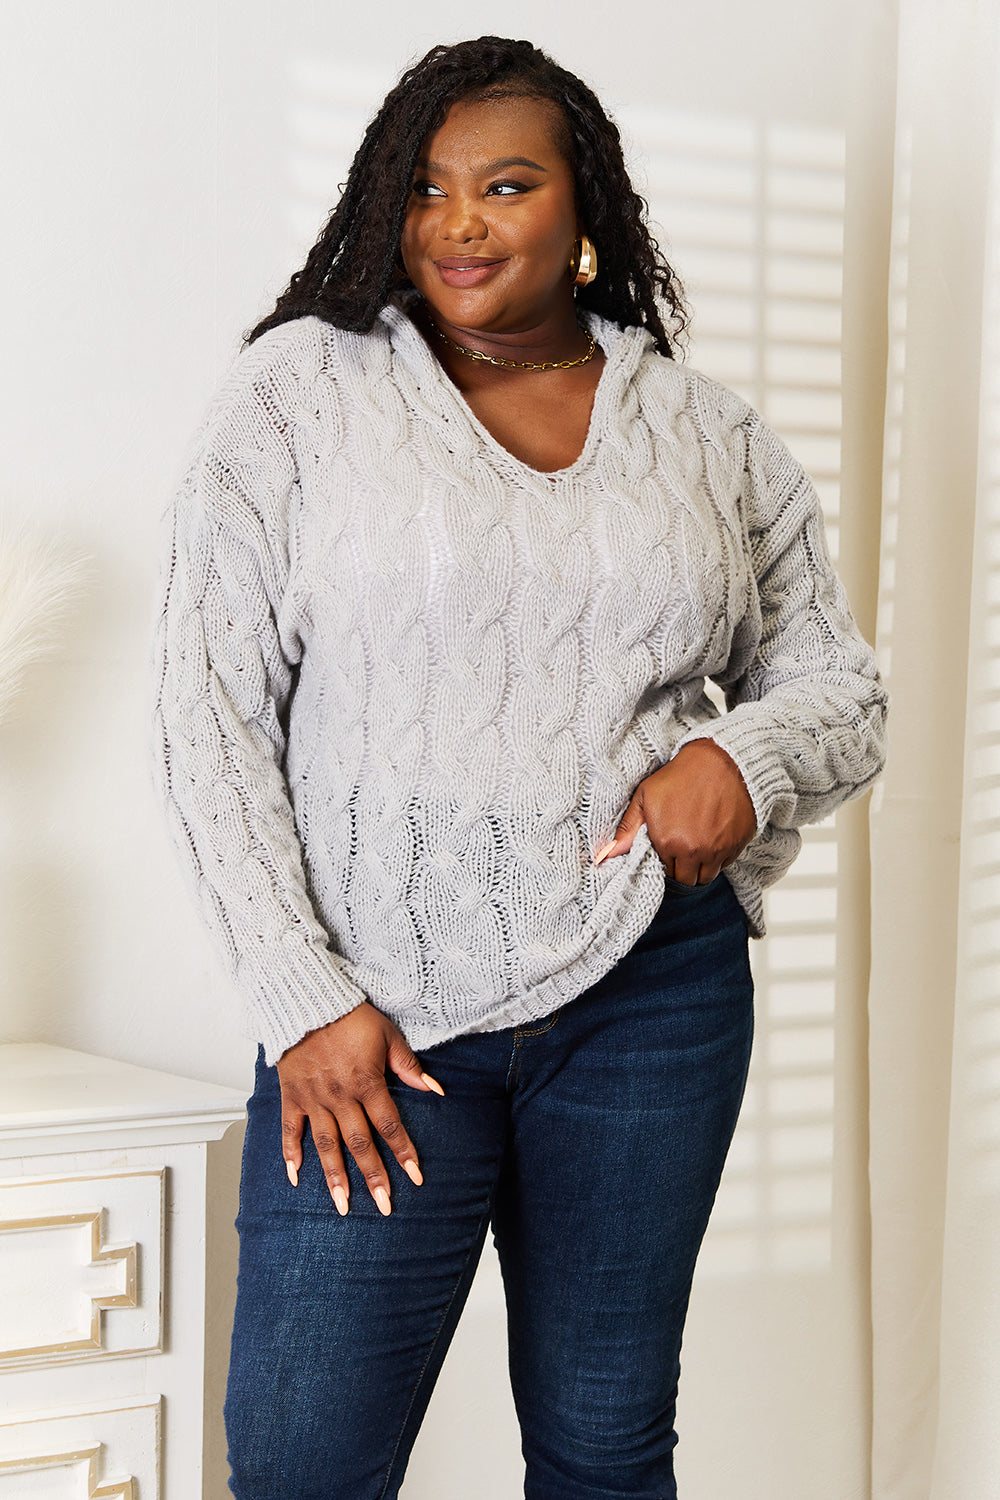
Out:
{"x": 583, "y": 262}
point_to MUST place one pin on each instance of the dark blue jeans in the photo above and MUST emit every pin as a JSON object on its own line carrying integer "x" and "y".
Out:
{"x": 592, "y": 1141}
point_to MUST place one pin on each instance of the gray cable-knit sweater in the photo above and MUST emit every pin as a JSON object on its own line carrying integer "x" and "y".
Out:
{"x": 408, "y": 684}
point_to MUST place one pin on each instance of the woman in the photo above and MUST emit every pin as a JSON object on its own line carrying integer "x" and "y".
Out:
{"x": 459, "y": 548}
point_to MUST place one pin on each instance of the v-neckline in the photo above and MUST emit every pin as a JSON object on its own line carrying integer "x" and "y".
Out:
{"x": 608, "y": 337}
{"x": 501, "y": 449}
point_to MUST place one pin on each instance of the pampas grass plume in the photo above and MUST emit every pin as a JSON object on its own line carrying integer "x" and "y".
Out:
{"x": 39, "y": 583}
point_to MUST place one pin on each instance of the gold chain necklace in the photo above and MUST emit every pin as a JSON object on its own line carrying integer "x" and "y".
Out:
{"x": 517, "y": 364}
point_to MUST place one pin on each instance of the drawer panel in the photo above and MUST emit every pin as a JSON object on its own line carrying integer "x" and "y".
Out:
{"x": 81, "y": 1262}
{"x": 96, "y": 1452}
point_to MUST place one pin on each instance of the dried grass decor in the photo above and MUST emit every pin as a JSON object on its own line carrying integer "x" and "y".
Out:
{"x": 39, "y": 582}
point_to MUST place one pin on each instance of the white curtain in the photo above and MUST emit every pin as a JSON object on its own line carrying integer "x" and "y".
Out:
{"x": 935, "y": 973}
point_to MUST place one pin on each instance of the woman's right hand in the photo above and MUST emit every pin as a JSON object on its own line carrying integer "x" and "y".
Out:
{"x": 335, "y": 1079}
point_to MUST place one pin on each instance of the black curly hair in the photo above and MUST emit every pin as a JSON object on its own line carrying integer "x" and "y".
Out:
{"x": 353, "y": 269}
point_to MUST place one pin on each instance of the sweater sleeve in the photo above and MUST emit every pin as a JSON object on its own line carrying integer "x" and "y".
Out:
{"x": 225, "y": 674}
{"x": 806, "y": 708}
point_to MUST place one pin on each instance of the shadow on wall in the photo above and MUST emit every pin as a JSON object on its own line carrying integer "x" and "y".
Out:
{"x": 754, "y": 216}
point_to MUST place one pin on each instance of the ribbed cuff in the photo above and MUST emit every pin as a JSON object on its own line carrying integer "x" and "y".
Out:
{"x": 756, "y": 758}
{"x": 308, "y": 988}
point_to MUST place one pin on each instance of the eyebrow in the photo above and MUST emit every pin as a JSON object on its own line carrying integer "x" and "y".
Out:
{"x": 491, "y": 166}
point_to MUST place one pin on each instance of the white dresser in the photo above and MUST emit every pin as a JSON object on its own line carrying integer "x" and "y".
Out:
{"x": 102, "y": 1275}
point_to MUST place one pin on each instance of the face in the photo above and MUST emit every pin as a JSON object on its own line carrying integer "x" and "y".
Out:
{"x": 491, "y": 221}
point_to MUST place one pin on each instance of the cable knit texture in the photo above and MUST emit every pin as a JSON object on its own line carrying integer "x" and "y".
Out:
{"x": 408, "y": 684}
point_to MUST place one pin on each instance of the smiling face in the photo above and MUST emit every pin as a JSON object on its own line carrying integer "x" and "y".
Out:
{"x": 491, "y": 221}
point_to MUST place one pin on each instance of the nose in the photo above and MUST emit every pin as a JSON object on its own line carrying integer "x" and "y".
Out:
{"x": 462, "y": 222}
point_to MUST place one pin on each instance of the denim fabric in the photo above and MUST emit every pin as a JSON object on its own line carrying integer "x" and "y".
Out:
{"x": 592, "y": 1141}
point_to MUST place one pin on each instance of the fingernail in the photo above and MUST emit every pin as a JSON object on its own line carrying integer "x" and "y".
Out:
{"x": 382, "y": 1199}
{"x": 603, "y": 853}
{"x": 413, "y": 1172}
{"x": 293, "y": 1173}
{"x": 432, "y": 1083}
{"x": 340, "y": 1199}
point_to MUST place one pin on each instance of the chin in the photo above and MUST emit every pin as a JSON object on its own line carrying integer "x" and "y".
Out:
{"x": 465, "y": 310}
{"x": 470, "y": 307}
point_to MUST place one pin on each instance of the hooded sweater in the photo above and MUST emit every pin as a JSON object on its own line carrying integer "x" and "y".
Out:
{"x": 407, "y": 684}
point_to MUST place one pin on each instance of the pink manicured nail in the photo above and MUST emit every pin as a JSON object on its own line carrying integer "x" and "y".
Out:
{"x": 432, "y": 1083}
{"x": 293, "y": 1173}
{"x": 382, "y": 1199}
{"x": 340, "y": 1199}
{"x": 413, "y": 1172}
{"x": 603, "y": 853}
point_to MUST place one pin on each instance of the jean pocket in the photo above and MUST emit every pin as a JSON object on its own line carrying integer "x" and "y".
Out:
{"x": 678, "y": 888}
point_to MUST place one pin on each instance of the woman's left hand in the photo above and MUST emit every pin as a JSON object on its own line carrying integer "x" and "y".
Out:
{"x": 697, "y": 810}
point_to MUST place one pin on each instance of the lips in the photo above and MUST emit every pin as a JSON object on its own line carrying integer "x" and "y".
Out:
{"x": 466, "y": 270}
{"x": 466, "y": 262}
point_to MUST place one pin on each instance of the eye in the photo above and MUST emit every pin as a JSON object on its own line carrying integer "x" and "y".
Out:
{"x": 427, "y": 190}
{"x": 508, "y": 189}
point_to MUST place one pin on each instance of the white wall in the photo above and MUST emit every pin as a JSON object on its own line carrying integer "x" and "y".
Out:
{"x": 166, "y": 164}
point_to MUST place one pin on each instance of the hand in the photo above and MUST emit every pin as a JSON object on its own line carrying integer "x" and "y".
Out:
{"x": 697, "y": 810}
{"x": 335, "y": 1077}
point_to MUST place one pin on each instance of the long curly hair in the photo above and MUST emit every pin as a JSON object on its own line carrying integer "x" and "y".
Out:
{"x": 353, "y": 269}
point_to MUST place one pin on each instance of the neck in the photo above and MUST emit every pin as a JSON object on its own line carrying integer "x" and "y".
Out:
{"x": 557, "y": 336}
